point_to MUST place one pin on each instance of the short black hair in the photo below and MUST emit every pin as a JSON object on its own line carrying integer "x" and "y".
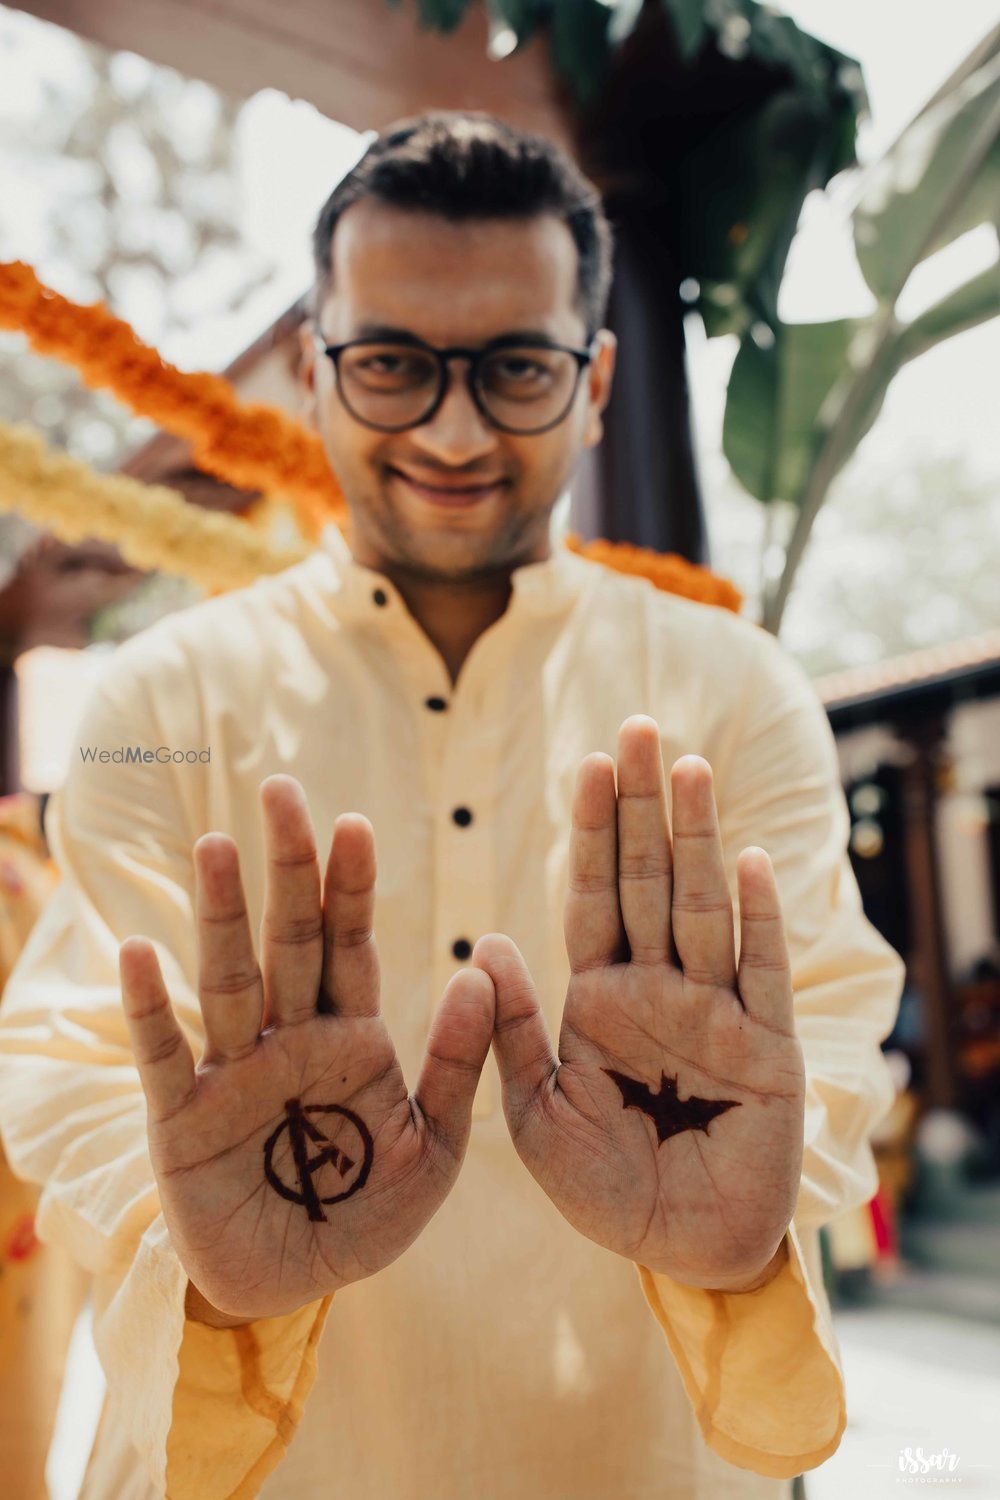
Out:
{"x": 466, "y": 164}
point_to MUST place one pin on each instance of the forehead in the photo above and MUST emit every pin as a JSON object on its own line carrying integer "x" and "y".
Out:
{"x": 450, "y": 281}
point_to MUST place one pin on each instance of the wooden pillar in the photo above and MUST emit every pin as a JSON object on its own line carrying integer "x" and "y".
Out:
{"x": 921, "y": 779}
{"x": 640, "y": 484}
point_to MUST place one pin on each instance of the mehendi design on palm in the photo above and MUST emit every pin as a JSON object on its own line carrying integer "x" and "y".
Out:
{"x": 669, "y": 1112}
{"x": 352, "y": 1166}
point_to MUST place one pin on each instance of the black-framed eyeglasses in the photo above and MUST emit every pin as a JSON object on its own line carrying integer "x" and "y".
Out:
{"x": 519, "y": 385}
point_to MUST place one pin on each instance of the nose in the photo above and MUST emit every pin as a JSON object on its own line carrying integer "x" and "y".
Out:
{"x": 457, "y": 433}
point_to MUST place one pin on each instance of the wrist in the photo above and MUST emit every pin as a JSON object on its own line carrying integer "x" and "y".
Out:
{"x": 200, "y": 1310}
{"x": 752, "y": 1280}
{"x": 755, "y": 1282}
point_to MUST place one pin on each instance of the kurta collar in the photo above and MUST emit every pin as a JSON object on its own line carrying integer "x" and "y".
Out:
{"x": 545, "y": 587}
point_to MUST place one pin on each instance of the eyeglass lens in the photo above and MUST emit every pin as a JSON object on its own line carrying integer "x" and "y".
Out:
{"x": 395, "y": 385}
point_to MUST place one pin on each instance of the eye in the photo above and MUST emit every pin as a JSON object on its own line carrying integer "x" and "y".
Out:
{"x": 510, "y": 368}
{"x": 388, "y": 367}
{"x": 518, "y": 367}
{"x": 382, "y": 364}
{"x": 522, "y": 373}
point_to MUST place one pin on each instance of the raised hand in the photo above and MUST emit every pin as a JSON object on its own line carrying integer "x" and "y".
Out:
{"x": 292, "y": 1161}
{"x": 670, "y": 1126}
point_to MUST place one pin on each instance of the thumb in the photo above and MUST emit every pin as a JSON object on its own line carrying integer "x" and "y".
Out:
{"x": 520, "y": 1038}
{"x": 457, "y": 1046}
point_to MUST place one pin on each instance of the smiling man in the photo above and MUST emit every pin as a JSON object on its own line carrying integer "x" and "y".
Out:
{"x": 584, "y": 1267}
{"x": 452, "y": 462}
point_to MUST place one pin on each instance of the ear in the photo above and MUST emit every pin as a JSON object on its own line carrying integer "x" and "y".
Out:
{"x": 600, "y": 374}
{"x": 306, "y": 372}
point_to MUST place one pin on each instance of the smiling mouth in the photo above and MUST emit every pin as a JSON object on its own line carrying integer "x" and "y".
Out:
{"x": 455, "y": 496}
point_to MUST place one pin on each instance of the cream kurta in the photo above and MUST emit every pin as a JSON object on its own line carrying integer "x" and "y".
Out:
{"x": 503, "y": 1355}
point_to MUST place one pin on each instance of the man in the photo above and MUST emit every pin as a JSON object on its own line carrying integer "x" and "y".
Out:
{"x": 589, "y": 1274}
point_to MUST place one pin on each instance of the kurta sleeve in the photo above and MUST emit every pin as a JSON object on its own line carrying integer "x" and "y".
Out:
{"x": 762, "y": 1368}
{"x": 209, "y": 1412}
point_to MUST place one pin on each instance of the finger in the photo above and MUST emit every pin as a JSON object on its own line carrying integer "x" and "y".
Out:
{"x": 291, "y": 930}
{"x": 457, "y": 1047}
{"x": 230, "y": 988}
{"x": 350, "y": 978}
{"x": 166, "y": 1066}
{"x": 765, "y": 977}
{"x": 592, "y": 922}
{"x": 521, "y": 1043}
{"x": 645, "y": 874}
{"x": 702, "y": 907}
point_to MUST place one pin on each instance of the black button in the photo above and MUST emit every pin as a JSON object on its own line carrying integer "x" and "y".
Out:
{"x": 462, "y": 816}
{"x": 380, "y": 596}
{"x": 461, "y": 947}
{"x": 437, "y": 704}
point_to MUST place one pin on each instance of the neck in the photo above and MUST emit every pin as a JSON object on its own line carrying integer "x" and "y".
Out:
{"x": 452, "y": 614}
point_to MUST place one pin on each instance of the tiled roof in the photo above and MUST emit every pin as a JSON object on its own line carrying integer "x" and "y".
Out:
{"x": 915, "y": 668}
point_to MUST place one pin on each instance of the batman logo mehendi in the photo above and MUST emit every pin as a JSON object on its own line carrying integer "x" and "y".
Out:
{"x": 670, "y": 1114}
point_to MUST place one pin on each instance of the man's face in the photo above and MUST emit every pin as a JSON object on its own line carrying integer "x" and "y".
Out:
{"x": 451, "y": 283}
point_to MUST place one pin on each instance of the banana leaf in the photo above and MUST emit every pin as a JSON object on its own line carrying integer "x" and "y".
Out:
{"x": 940, "y": 179}
{"x": 797, "y": 408}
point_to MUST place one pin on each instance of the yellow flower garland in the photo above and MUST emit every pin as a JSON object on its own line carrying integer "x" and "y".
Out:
{"x": 152, "y": 526}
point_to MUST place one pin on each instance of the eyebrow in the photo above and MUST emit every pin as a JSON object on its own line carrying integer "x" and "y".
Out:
{"x": 406, "y": 335}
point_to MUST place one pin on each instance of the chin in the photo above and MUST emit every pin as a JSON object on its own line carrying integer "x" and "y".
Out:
{"x": 437, "y": 547}
{"x": 448, "y": 565}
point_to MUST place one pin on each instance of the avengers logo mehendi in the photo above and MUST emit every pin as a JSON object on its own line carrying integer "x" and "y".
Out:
{"x": 349, "y": 1157}
{"x": 670, "y": 1114}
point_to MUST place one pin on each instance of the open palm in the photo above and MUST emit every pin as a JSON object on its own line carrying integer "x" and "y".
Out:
{"x": 669, "y": 1127}
{"x": 292, "y": 1160}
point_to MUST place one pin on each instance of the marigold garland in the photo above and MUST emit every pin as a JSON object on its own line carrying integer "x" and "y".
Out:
{"x": 152, "y": 526}
{"x": 250, "y": 445}
{"x": 668, "y": 570}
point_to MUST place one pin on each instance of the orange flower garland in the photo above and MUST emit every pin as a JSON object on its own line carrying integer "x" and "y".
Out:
{"x": 668, "y": 570}
{"x": 252, "y": 445}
